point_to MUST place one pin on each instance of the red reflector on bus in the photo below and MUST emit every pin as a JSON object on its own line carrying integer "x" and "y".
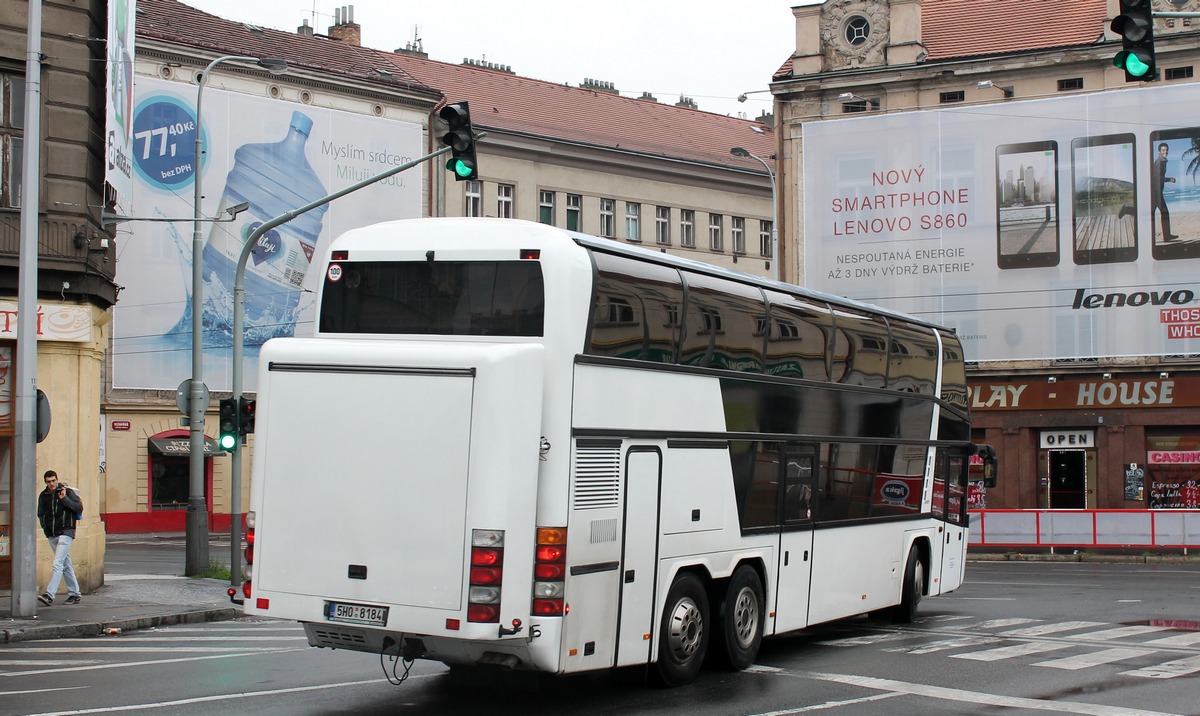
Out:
{"x": 551, "y": 553}
{"x": 486, "y": 575}
{"x": 261, "y": 603}
{"x": 548, "y": 607}
{"x": 533, "y": 254}
{"x": 484, "y": 557}
{"x": 452, "y": 624}
{"x": 486, "y": 613}
{"x": 339, "y": 256}
{"x": 550, "y": 571}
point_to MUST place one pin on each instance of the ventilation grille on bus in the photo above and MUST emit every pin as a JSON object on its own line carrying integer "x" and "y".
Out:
{"x": 597, "y": 477}
{"x": 337, "y": 638}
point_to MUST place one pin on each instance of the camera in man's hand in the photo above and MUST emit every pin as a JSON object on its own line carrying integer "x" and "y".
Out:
{"x": 62, "y": 490}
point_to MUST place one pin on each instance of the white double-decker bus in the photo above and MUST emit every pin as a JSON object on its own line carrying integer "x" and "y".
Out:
{"x": 510, "y": 444}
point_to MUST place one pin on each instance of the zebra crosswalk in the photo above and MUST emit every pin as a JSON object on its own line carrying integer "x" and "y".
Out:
{"x": 170, "y": 644}
{"x": 1150, "y": 651}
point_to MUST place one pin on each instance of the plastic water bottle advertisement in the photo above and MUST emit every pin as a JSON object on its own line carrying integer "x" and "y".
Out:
{"x": 272, "y": 156}
{"x": 1054, "y": 228}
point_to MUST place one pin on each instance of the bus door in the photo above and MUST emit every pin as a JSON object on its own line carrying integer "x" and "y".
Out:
{"x": 950, "y": 506}
{"x": 639, "y": 556}
{"x": 798, "y": 484}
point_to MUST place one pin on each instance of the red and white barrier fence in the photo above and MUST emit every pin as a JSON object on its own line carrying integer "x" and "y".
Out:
{"x": 1085, "y": 528}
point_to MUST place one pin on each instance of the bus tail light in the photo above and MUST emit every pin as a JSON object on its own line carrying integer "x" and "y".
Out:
{"x": 549, "y": 572}
{"x": 248, "y": 568}
{"x": 486, "y": 576}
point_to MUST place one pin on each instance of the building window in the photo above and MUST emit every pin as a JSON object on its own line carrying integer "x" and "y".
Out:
{"x": 662, "y": 225}
{"x": 856, "y": 105}
{"x": 765, "y": 245}
{"x": 12, "y": 142}
{"x": 737, "y": 231}
{"x": 633, "y": 220}
{"x": 504, "y": 201}
{"x": 687, "y": 228}
{"x": 608, "y": 207}
{"x": 858, "y": 29}
{"x": 952, "y": 97}
{"x": 716, "y": 230}
{"x": 473, "y": 194}
{"x": 546, "y": 207}
{"x": 574, "y": 212}
{"x": 1178, "y": 73}
{"x": 1075, "y": 83}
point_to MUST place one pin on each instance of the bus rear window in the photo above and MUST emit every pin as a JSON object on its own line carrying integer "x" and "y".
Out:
{"x": 449, "y": 298}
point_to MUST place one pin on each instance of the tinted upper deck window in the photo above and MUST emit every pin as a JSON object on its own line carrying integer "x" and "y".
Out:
{"x": 450, "y": 298}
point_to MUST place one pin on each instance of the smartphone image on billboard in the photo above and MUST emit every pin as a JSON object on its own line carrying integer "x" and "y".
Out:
{"x": 1027, "y": 205}
{"x": 1104, "y": 199}
{"x": 1174, "y": 194}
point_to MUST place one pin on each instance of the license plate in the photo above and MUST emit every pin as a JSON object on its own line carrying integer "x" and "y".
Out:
{"x": 356, "y": 613}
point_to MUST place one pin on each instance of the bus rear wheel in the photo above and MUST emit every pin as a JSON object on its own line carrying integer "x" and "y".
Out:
{"x": 740, "y": 632}
{"x": 683, "y": 636}
{"x": 914, "y": 588}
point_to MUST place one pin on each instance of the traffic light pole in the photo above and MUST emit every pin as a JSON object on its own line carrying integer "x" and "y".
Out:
{"x": 239, "y": 294}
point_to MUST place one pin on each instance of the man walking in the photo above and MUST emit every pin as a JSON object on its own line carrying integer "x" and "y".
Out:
{"x": 58, "y": 506}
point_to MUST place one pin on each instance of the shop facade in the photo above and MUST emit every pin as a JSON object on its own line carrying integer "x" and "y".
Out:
{"x": 1129, "y": 441}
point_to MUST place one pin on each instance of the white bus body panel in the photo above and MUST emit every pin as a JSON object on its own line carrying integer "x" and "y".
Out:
{"x": 380, "y": 442}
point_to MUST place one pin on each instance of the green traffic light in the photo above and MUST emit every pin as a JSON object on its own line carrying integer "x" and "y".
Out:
{"x": 228, "y": 441}
{"x": 461, "y": 168}
{"x": 1131, "y": 63}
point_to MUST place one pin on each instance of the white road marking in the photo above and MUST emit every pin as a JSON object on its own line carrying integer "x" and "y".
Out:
{"x": 944, "y": 644}
{"x": 1009, "y": 652}
{"x": 220, "y": 697}
{"x": 1168, "y": 670}
{"x": 142, "y": 649}
{"x": 1051, "y": 628}
{"x": 1120, "y": 633}
{"x": 45, "y": 662}
{"x": 156, "y": 662}
{"x": 41, "y": 691}
{"x": 868, "y": 639}
{"x": 832, "y": 704}
{"x": 1001, "y": 623}
{"x": 1095, "y": 658}
{"x": 1187, "y": 639}
{"x": 976, "y": 697}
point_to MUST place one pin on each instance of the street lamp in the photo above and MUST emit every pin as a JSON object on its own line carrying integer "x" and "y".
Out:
{"x": 740, "y": 152}
{"x": 197, "y": 515}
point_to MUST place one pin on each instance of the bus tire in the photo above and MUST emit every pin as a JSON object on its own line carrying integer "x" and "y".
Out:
{"x": 739, "y": 633}
{"x": 683, "y": 636}
{"x": 914, "y": 587}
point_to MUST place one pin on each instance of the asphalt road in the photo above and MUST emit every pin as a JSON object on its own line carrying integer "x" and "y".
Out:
{"x": 1078, "y": 638}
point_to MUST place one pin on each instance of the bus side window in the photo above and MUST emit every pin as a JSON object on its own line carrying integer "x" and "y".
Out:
{"x": 798, "y": 491}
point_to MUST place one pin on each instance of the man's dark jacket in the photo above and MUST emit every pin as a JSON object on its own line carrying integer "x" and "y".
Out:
{"x": 58, "y": 516}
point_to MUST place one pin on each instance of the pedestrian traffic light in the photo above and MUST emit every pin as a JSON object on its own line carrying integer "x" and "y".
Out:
{"x": 461, "y": 140}
{"x": 1135, "y": 25}
{"x": 228, "y": 439}
{"x": 245, "y": 416}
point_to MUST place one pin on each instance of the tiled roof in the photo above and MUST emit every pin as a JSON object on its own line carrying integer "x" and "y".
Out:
{"x": 966, "y": 28}
{"x": 954, "y": 29}
{"x": 499, "y": 100}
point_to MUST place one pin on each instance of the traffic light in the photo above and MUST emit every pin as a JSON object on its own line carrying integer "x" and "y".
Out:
{"x": 461, "y": 140}
{"x": 1135, "y": 25}
{"x": 228, "y": 439}
{"x": 245, "y": 416}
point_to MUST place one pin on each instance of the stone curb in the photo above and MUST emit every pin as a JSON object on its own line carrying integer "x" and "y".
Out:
{"x": 87, "y": 629}
{"x": 1085, "y": 557}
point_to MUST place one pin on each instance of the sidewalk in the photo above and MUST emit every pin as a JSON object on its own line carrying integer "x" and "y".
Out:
{"x": 125, "y": 602}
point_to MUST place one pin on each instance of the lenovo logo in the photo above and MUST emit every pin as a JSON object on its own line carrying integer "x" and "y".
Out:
{"x": 1138, "y": 298}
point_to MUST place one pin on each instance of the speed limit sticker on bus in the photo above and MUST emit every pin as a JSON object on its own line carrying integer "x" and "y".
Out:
{"x": 356, "y": 613}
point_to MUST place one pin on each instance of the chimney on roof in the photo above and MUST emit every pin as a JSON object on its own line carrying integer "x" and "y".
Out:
{"x": 686, "y": 102}
{"x": 647, "y": 95}
{"x": 304, "y": 29}
{"x": 344, "y": 27}
{"x": 485, "y": 65}
{"x": 415, "y": 48}
{"x": 599, "y": 86}
{"x": 767, "y": 118}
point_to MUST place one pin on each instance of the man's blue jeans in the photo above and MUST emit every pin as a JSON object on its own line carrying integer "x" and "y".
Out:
{"x": 62, "y": 566}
